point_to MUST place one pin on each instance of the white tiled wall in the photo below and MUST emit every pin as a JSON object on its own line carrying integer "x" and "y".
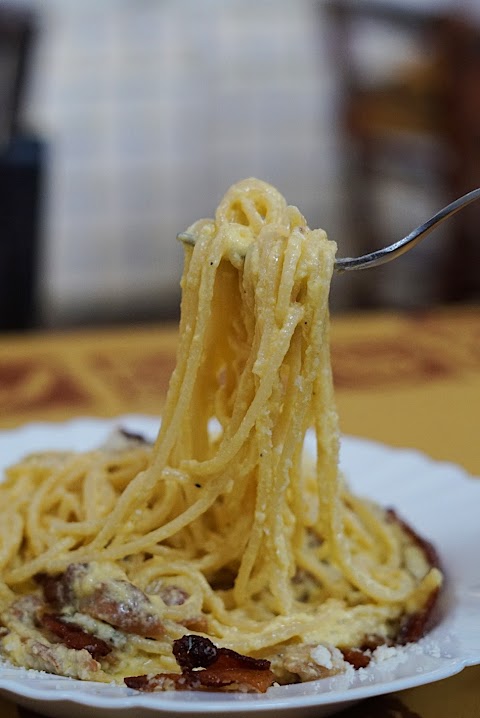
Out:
{"x": 152, "y": 108}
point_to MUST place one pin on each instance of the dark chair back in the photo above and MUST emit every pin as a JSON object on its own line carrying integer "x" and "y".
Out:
{"x": 21, "y": 173}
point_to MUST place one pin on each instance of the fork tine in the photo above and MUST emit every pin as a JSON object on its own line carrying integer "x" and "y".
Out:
{"x": 386, "y": 254}
{"x": 186, "y": 238}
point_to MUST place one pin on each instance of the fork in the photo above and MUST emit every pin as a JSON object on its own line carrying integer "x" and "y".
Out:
{"x": 386, "y": 254}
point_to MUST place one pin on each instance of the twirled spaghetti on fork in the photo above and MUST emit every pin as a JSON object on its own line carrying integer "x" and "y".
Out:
{"x": 220, "y": 557}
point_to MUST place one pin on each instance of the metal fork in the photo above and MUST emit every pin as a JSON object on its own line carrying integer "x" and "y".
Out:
{"x": 382, "y": 256}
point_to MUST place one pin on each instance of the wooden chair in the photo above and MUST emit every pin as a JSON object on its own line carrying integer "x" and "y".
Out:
{"x": 423, "y": 121}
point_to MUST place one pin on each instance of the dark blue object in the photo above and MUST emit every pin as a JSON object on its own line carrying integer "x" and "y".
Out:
{"x": 22, "y": 162}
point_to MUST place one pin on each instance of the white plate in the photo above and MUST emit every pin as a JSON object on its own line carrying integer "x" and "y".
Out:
{"x": 440, "y": 500}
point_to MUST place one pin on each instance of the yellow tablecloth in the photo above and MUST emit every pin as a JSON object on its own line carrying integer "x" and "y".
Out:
{"x": 406, "y": 380}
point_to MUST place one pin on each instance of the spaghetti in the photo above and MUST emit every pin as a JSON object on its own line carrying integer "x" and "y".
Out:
{"x": 223, "y": 529}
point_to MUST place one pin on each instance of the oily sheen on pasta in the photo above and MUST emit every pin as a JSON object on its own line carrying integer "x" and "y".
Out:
{"x": 220, "y": 557}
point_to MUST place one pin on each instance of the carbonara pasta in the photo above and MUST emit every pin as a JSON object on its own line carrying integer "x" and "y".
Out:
{"x": 222, "y": 538}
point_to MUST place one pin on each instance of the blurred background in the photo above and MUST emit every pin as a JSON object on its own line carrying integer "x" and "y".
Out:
{"x": 124, "y": 121}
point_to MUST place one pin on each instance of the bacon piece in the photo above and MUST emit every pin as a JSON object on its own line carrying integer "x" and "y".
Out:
{"x": 194, "y": 652}
{"x": 53, "y": 589}
{"x": 356, "y": 657}
{"x": 58, "y": 659}
{"x": 428, "y": 548}
{"x": 414, "y": 626}
{"x": 116, "y": 601}
{"x": 199, "y": 652}
{"x": 196, "y": 623}
{"x": 220, "y": 669}
{"x": 134, "y": 436}
{"x": 58, "y": 590}
{"x": 373, "y": 641}
{"x": 24, "y": 609}
{"x": 186, "y": 681}
{"x": 223, "y": 579}
{"x": 141, "y": 683}
{"x": 41, "y": 655}
{"x": 299, "y": 663}
{"x": 231, "y": 670}
{"x": 172, "y": 595}
{"x": 123, "y": 605}
{"x": 124, "y": 440}
{"x": 74, "y": 637}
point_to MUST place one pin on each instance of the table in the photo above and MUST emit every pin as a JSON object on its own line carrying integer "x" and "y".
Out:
{"x": 409, "y": 379}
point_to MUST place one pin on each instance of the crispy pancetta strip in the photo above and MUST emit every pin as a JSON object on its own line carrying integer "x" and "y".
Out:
{"x": 74, "y": 637}
{"x": 204, "y": 666}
